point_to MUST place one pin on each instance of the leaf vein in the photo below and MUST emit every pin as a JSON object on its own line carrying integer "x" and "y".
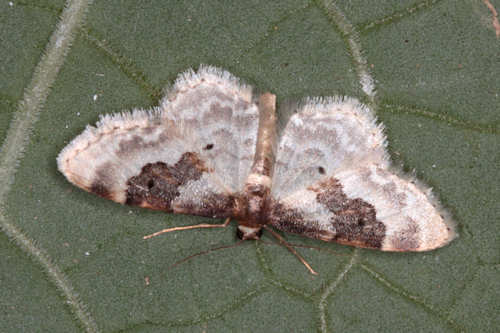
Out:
{"x": 412, "y": 298}
{"x": 126, "y": 65}
{"x": 482, "y": 128}
{"x": 322, "y": 304}
{"x": 397, "y": 15}
{"x": 17, "y": 139}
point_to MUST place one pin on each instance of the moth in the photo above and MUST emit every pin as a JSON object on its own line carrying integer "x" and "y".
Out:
{"x": 214, "y": 149}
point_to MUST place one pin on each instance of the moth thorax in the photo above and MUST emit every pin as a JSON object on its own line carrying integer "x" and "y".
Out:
{"x": 255, "y": 199}
{"x": 244, "y": 232}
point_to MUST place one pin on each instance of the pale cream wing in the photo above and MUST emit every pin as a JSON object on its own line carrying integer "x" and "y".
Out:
{"x": 333, "y": 182}
{"x": 189, "y": 155}
{"x": 324, "y": 136}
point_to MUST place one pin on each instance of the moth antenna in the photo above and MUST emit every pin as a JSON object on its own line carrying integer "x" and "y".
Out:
{"x": 207, "y": 252}
{"x": 203, "y": 225}
{"x": 291, "y": 249}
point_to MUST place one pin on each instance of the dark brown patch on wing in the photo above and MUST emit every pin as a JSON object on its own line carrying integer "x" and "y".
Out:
{"x": 214, "y": 205}
{"x": 292, "y": 220}
{"x": 158, "y": 183}
{"x": 353, "y": 221}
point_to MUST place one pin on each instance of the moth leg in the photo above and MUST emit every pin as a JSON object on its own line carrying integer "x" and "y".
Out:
{"x": 291, "y": 249}
{"x": 203, "y": 225}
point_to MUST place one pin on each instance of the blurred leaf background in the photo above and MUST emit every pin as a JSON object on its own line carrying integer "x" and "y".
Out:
{"x": 72, "y": 261}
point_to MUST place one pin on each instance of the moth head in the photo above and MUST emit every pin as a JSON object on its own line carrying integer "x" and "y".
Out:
{"x": 244, "y": 232}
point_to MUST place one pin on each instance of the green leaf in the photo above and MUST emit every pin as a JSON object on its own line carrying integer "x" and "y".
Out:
{"x": 72, "y": 261}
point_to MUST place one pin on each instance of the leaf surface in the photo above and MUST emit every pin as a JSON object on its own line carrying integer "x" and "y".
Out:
{"x": 431, "y": 71}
